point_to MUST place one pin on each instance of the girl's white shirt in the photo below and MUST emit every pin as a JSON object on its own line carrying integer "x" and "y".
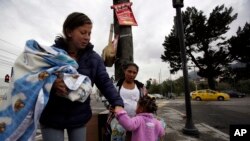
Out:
{"x": 130, "y": 98}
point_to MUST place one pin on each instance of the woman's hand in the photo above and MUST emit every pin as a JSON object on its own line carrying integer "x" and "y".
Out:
{"x": 60, "y": 87}
{"x": 118, "y": 108}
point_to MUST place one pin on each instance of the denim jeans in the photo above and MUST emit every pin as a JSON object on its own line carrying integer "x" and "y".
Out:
{"x": 74, "y": 134}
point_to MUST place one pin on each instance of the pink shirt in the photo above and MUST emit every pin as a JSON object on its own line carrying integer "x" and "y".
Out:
{"x": 144, "y": 126}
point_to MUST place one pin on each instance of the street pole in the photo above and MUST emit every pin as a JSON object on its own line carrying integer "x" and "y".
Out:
{"x": 189, "y": 128}
{"x": 124, "y": 51}
{"x": 171, "y": 82}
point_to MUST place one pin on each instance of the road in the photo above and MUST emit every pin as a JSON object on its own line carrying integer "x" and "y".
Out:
{"x": 218, "y": 114}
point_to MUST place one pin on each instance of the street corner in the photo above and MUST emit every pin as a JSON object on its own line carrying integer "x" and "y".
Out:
{"x": 208, "y": 133}
{"x": 172, "y": 114}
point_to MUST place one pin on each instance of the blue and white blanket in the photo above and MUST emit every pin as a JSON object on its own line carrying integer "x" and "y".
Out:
{"x": 34, "y": 74}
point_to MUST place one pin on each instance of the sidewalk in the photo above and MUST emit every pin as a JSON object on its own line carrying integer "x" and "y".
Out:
{"x": 175, "y": 123}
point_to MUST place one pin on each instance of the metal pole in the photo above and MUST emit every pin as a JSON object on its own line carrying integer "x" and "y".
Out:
{"x": 171, "y": 83}
{"x": 189, "y": 128}
{"x": 124, "y": 51}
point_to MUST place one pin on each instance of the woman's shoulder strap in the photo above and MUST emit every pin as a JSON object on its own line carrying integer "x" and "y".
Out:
{"x": 141, "y": 87}
{"x": 139, "y": 84}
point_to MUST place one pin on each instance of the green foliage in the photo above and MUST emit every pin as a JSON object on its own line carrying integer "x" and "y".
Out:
{"x": 170, "y": 86}
{"x": 200, "y": 35}
{"x": 166, "y": 87}
{"x": 224, "y": 86}
{"x": 240, "y": 44}
{"x": 243, "y": 86}
{"x": 154, "y": 88}
{"x": 178, "y": 87}
{"x": 148, "y": 83}
{"x": 240, "y": 50}
{"x": 203, "y": 85}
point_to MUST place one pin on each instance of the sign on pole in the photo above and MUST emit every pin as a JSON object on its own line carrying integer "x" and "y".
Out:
{"x": 124, "y": 14}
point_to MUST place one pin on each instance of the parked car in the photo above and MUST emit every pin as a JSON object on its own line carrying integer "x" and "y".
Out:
{"x": 151, "y": 95}
{"x": 208, "y": 94}
{"x": 171, "y": 96}
{"x": 233, "y": 93}
{"x": 158, "y": 96}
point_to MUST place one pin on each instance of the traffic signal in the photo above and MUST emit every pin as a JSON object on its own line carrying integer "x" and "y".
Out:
{"x": 7, "y": 78}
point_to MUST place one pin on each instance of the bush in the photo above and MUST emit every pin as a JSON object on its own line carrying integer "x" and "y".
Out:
{"x": 243, "y": 86}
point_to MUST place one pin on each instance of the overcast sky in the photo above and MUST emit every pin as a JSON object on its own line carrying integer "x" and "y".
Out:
{"x": 42, "y": 20}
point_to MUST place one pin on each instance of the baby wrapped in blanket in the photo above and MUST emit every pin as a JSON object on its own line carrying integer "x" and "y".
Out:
{"x": 33, "y": 76}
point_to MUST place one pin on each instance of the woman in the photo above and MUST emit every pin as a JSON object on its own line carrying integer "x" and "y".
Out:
{"x": 61, "y": 113}
{"x": 131, "y": 91}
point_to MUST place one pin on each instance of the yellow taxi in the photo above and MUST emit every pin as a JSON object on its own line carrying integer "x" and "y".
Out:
{"x": 208, "y": 94}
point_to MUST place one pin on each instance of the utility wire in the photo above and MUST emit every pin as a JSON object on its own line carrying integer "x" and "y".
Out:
{"x": 7, "y": 61}
{"x": 9, "y": 43}
{"x": 9, "y": 52}
{"x": 5, "y": 56}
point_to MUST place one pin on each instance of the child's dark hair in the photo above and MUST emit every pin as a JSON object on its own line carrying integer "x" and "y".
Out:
{"x": 148, "y": 104}
{"x": 126, "y": 65}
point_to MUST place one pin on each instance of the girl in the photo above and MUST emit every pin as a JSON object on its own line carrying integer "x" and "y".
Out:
{"x": 144, "y": 126}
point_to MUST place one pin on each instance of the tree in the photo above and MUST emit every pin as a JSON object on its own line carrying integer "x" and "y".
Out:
{"x": 240, "y": 44}
{"x": 240, "y": 49}
{"x": 148, "y": 83}
{"x": 154, "y": 88}
{"x": 206, "y": 45}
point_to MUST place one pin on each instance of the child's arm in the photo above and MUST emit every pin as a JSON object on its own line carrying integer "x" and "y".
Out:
{"x": 128, "y": 123}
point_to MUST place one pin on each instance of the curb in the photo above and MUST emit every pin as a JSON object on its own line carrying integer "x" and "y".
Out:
{"x": 180, "y": 113}
{"x": 216, "y": 130}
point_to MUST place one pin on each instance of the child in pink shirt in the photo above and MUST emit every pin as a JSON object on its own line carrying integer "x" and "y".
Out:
{"x": 144, "y": 126}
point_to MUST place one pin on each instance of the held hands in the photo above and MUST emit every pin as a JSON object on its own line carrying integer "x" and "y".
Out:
{"x": 117, "y": 109}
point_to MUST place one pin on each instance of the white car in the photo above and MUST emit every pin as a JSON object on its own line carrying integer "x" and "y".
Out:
{"x": 158, "y": 96}
{"x": 152, "y": 96}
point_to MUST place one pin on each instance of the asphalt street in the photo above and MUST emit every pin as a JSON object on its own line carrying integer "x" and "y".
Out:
{"x": 218, "y": 114}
